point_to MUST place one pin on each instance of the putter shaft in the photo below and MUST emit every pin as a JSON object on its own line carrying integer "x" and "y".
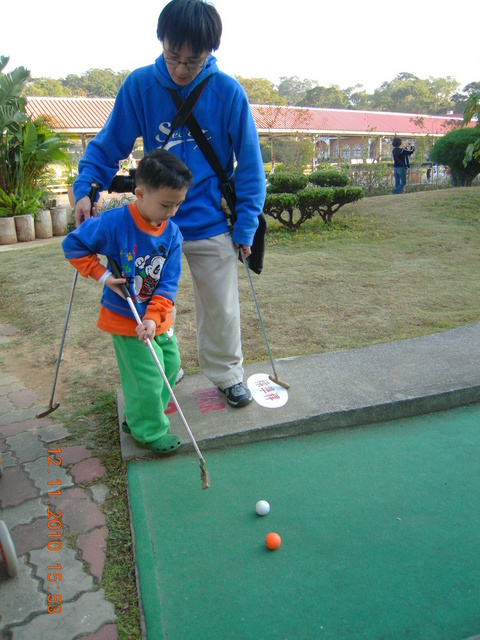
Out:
{"x": 275, "y": 377}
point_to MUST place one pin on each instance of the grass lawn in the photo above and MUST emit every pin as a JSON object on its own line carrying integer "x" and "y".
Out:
{"x": 388, "y": 268}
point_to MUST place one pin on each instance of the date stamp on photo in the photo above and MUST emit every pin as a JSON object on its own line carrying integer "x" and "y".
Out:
{"x": 54, "y": 524}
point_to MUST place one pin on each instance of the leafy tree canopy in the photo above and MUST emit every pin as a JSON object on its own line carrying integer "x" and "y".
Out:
{"x": 406, "y": 93}
{"x": 331, "y": 97}
{"x": 95, "y": 83}
{"x": 260, "y": 91}
{"x": 292, "y": 89}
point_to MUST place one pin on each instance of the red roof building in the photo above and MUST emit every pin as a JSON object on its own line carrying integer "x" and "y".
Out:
{"x": 336, "y": 132}
{"x": 289, "y": 120}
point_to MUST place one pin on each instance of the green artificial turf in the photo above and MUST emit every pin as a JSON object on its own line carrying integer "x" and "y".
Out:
{"x": 380, "y": 530}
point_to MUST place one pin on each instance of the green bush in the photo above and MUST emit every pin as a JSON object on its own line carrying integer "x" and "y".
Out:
{"x": 293, "y": 198}
{"x": 281, "y": 207}
{"x": 328, "y": 178}
{"x": 450, "y": 150}
{"x": 28, "y": 147}
{"x": 23, "y": 201}
{"x": 280, "y": 182}
{"x": 312, "y": 200}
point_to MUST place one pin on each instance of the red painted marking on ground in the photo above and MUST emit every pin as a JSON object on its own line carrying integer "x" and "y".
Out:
{"x": 208, "y": 400}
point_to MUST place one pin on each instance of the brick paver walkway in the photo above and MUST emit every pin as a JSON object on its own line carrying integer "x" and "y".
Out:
{"x": 67, "y": 531}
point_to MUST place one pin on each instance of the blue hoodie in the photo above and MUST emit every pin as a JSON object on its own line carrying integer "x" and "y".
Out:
{"x": 144, "y": 108}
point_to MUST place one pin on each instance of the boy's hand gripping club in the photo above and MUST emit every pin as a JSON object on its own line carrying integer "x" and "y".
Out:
{"x": 203, "y": 470}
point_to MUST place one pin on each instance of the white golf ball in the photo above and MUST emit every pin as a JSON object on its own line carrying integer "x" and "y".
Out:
{"x": 262, "y": 507}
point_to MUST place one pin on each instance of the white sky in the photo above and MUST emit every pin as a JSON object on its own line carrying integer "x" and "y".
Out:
{"x": 334, "y": 42}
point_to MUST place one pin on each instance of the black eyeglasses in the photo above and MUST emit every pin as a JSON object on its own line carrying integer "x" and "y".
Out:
{"x": 190, "y": 66}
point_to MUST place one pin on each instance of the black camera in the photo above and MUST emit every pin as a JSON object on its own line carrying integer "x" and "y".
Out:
{"x": 123, "y": 184}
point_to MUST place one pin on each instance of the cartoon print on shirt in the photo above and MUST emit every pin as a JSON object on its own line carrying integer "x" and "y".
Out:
{"x": 147, "y": 274}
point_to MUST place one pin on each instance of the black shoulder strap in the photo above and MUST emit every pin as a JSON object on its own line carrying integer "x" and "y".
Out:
{"x": 185, "y": 108}
{"x": 199, "y": 136}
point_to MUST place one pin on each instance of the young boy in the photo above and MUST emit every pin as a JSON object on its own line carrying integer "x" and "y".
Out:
{"x": 189, "y": 31}
{"x": 147, "y": 246}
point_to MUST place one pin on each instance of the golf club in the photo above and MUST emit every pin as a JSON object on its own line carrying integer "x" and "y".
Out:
{"x": 203, "y": 470}
{"x": 51, "y": 407}
{"x": 275, "y": 377}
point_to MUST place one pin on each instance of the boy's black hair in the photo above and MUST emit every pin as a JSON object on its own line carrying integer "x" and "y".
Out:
{"x": 396, "y": 142}
{"x": 163, "y": 169}
{"x": 194, "y": 22}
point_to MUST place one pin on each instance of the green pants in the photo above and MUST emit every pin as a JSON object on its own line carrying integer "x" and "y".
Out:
{"x": 145, "y": 394}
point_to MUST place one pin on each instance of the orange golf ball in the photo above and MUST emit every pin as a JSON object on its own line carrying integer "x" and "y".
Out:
{"x": 273, "y": 541}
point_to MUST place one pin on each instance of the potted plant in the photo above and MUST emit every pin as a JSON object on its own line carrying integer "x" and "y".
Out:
{"x": 19, "y": 209}
{"x": 28, "y": 147}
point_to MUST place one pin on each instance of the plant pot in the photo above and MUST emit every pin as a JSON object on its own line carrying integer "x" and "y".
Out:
{"x": 43, "y": 224}
{"x": 8, "y": 232}
{"x": 59, "y": 221}
{"x": 71, "y": 197}
{"x": 25, "y": 227}
{"x": 70, "y": 216}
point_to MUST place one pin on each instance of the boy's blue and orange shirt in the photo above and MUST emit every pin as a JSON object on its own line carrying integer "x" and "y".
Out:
{"x": 149, "y": 257}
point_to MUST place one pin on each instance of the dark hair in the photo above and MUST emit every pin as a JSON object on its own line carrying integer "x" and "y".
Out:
{"x": 396, "y": 142}
{"x": 162, "y": 169}
{"x": 194, "y": 22}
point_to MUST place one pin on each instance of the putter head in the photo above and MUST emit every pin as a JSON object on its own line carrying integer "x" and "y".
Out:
{"x": 204, "y": 476}
{"x": 276, "y": 379}
{"x": 49, "y": 410}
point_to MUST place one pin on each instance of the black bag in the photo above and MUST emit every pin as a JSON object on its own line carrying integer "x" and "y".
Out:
{"x": 227, "y": 187}
{"x": 255, "y": 259}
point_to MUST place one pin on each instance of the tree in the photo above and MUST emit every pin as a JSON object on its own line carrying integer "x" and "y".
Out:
{"x": 293, "y": 198}
{"x": 95, "y": 83}
{"x": 409, "y": 94}
{"x": 294, "y": 152}
{"x": 327, "y": 97}
{"x": 293, "y": 89}
{"x": 461, "y": 100}
{"x": 260, "y": 91}
{"x": 356, "y": 98}
{"x": 48, "y": 87}
{"x": 472, "y": 110}
{"x": 102, "y": 83}
{"x": 450, "y": 151}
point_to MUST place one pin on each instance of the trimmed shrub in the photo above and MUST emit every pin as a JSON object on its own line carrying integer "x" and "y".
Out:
{"x": 293, "y": 198}
{"x": 286, "y": 182}
{"x": 329, "y": 178}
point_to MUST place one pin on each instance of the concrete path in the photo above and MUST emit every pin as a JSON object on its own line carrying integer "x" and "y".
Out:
{"x": 334, "y": 390}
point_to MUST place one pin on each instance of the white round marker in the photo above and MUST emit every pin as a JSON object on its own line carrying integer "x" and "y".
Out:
{"x": 262, "y": 507}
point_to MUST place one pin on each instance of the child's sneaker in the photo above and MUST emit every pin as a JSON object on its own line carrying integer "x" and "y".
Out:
{"x": 238, "y": 395}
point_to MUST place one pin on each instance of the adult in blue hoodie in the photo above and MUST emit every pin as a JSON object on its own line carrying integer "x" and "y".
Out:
{"x": 189, "y": 31}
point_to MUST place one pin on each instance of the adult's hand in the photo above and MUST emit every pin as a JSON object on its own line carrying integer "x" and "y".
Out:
{"x": 243, "y": 250}
{"x": 83, "y": 210}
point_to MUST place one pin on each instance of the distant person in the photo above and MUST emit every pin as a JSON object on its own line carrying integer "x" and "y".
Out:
{"x": 400, "y": 164}
{"x": 189, "y": 31}
{"x": 147, "y": 246}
